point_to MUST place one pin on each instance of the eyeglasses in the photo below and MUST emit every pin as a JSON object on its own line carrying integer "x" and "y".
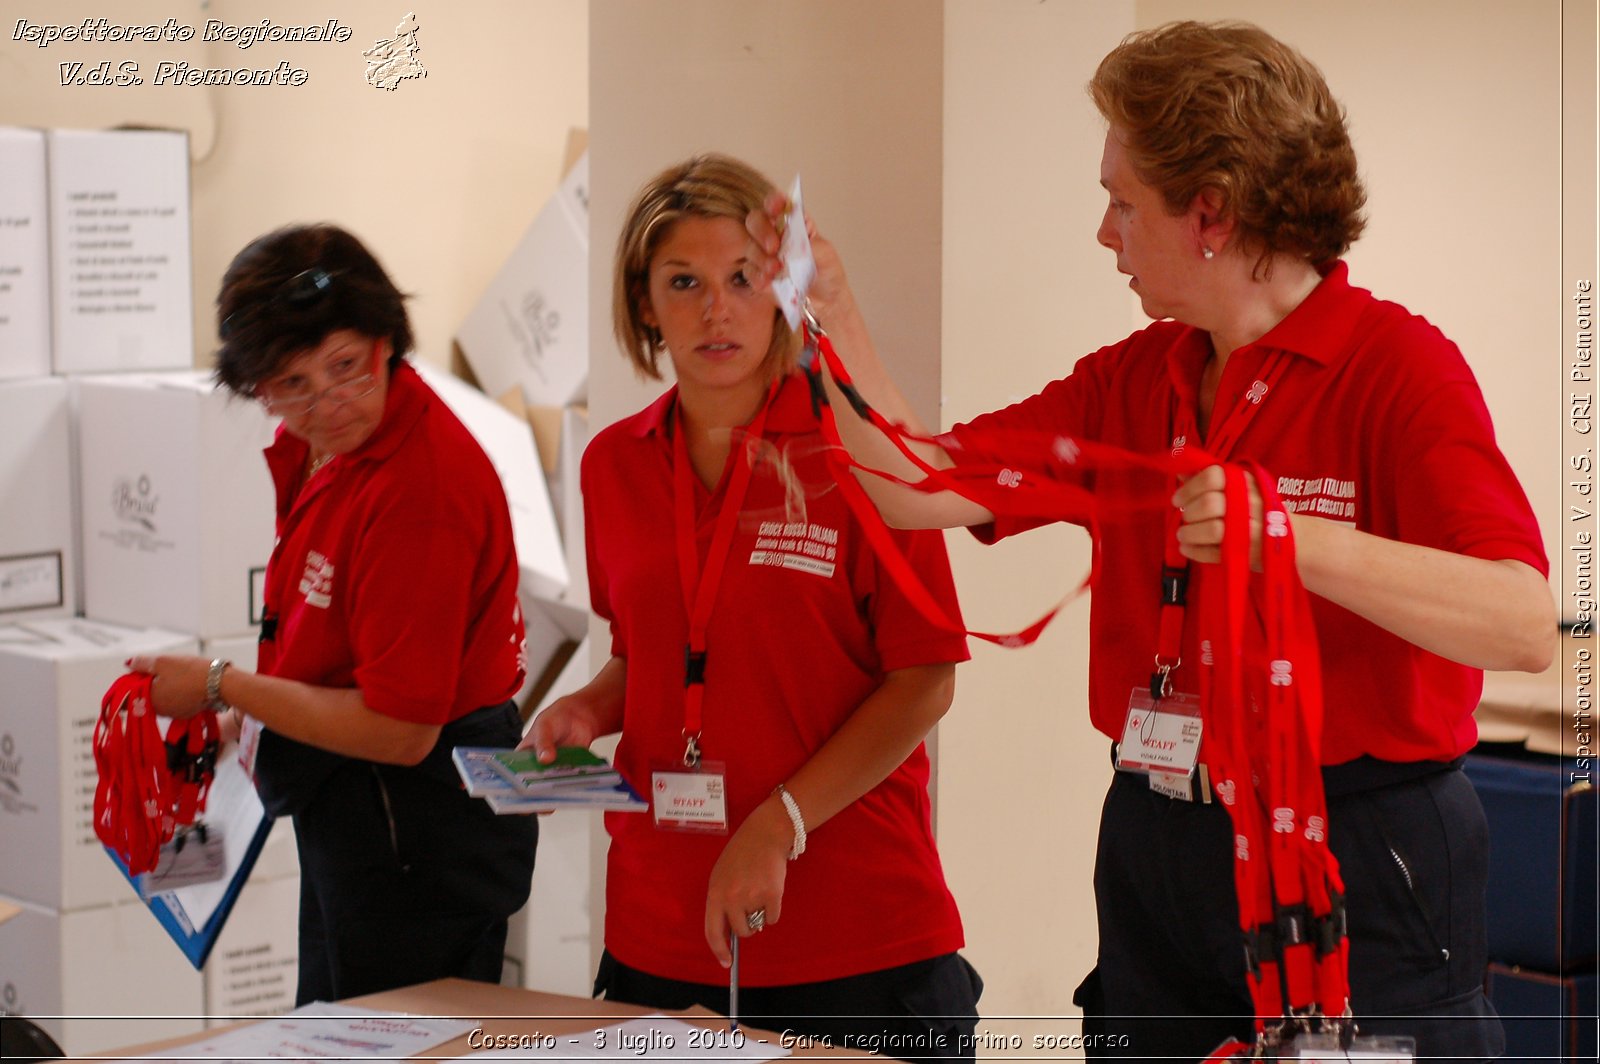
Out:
{"x": 297, "y": 398}
{"x": 299, "y": 293}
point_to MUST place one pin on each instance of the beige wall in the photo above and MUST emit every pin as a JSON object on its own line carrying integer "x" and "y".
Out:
{"x": 440, "y": 176}
{"x": 843, "y": 93}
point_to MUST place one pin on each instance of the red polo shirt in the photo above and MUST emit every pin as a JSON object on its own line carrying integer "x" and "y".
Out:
{"x": 805, "y": 627}
{"x": 394, "y": 570}
{"x": 1376, "y": 422}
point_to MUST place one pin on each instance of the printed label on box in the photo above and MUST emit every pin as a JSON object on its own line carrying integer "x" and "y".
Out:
{"x": 31, "y": 581}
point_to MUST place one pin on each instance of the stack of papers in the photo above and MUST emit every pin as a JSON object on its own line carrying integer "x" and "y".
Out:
{"x": 514, "y": 781}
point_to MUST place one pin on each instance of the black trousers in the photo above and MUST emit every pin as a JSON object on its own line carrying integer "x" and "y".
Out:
{"x": 1170, "y": 979}
{"x": 924, "y": 1011}
{"x": 403, "y": 877}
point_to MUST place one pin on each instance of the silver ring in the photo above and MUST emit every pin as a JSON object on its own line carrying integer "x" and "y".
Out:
{"x": 756, "y": 920}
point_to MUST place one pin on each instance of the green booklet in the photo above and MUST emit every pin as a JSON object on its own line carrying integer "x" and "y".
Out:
{"x": 573, "y": 765}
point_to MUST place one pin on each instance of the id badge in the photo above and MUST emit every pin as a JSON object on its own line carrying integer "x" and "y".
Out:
{"x": 249, "y": 743}
{"x": 694, "y": 800}
{"x": 194, "y": 855}
{"x": 1160, "y": 736}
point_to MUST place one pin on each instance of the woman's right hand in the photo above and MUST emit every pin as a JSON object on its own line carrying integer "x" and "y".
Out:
{"x": 829, "y": 288}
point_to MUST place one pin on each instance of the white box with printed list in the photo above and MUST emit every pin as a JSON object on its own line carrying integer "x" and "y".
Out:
{"x": 53, "y": 673}
{"x": 38, "y": 544}
{"x": 121, "y": 268}
{"x": 177, "y": 503}
{"x": 24, "y": 256}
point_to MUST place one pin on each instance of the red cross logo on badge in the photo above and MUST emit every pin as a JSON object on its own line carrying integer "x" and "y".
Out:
{"x": 661, "y": 785}
{"x": 1133, "y": 722}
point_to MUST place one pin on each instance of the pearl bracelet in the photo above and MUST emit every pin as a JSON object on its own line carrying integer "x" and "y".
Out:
{"x": 793, "y": 809}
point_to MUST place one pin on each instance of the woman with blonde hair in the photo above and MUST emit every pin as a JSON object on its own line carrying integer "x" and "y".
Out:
{"x": 771, "y": 685}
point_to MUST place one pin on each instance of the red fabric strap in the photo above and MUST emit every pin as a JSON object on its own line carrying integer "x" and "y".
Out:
{"x": 148, "y": 788}
{"x": 1260, "y": 680}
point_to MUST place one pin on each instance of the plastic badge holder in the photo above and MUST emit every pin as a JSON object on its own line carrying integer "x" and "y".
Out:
{"x": 1377, "y": 1049}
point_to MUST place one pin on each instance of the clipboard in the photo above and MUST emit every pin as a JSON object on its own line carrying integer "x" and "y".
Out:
{"x": 194, "y": 915}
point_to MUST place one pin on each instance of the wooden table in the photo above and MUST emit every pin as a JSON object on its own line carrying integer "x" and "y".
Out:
{"x": 511, "y": 1018}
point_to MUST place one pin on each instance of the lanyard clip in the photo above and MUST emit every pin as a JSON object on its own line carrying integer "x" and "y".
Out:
{"x": 691, "y": 751}
{"x": 1161, "y": 679}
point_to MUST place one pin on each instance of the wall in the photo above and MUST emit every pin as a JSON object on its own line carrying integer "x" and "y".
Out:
{"x": 440, "y": 176}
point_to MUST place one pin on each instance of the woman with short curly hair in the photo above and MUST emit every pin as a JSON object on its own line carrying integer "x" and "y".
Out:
{"x": 1233, "y": 193}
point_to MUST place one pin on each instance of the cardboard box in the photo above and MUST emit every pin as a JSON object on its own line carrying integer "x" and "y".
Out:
{"x": 120, "y": 263}
{"x": 24, "y": 256}
{"x": 38, "y": 541}
{"x": 554, "y": 630}
{"x": 254, "y": 967}
{"x": 531, "y": 328}
{"x": 95, "y": 979}
{"x": 508, "y": 442}
{"x": 548, "y": 941}
{"x": 53, "y": 674}
{"x": 1543, "y": 898}
{"x": 567, "y": 491}
{"x": 177, "y": 503}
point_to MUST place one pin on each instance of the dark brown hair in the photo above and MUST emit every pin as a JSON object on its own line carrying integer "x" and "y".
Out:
{"x": 286, "y": 291}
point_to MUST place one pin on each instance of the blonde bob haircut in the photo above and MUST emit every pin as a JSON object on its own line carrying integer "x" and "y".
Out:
{"x": 706, "y": 186}
{"x": 1228, "y": 107}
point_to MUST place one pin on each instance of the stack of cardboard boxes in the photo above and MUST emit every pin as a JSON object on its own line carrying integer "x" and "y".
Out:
{"x": 136, "y": 516}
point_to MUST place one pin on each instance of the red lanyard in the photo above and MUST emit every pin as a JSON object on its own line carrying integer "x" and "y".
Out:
{"x": 1267, "y": 772}
{"x": 1224, "y": 435}
{"x": 700, "y": 586}
{"x": 147, "y": 788}
{"x": 1262, "y": 704}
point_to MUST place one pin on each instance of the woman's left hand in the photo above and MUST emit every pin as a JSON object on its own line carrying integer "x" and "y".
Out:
{"x": 748, "y": 878}
{"x": 179, "y": 686}
{"x": 1203, "y": 508}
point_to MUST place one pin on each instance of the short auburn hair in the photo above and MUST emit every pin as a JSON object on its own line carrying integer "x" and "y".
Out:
{"x": 706, "y": 186}
{"x": 1229, "y": 107}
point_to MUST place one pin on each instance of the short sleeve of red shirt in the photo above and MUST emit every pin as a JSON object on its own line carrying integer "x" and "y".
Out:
{"x": 1452, "y": 488}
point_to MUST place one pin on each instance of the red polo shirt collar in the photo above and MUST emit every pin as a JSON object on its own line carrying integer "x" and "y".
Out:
{"x": 408, "y": 398}
{"x": 790, "y": 413}
{"x": 1319, "y": 330}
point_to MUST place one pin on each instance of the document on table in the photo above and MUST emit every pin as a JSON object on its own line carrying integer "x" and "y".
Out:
{"x": 322, "y": 1031}
{"x": 654, "y": 1037}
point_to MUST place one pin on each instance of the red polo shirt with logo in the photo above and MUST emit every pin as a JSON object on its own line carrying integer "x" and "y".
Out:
{"x": 806, "y": 625}
{"x": 1376, "y": 422}
{"x": 394, "y": 570}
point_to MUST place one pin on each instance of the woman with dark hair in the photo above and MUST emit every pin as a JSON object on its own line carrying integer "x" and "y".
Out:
{"x": 771, "y": 684}
{"x": 1233, "y": 193}
{"x": 391, "y": 630}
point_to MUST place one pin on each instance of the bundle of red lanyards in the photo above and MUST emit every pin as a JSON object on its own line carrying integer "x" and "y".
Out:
{"x": 1260, "y": 687}
{"x": 149, "y": 787}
